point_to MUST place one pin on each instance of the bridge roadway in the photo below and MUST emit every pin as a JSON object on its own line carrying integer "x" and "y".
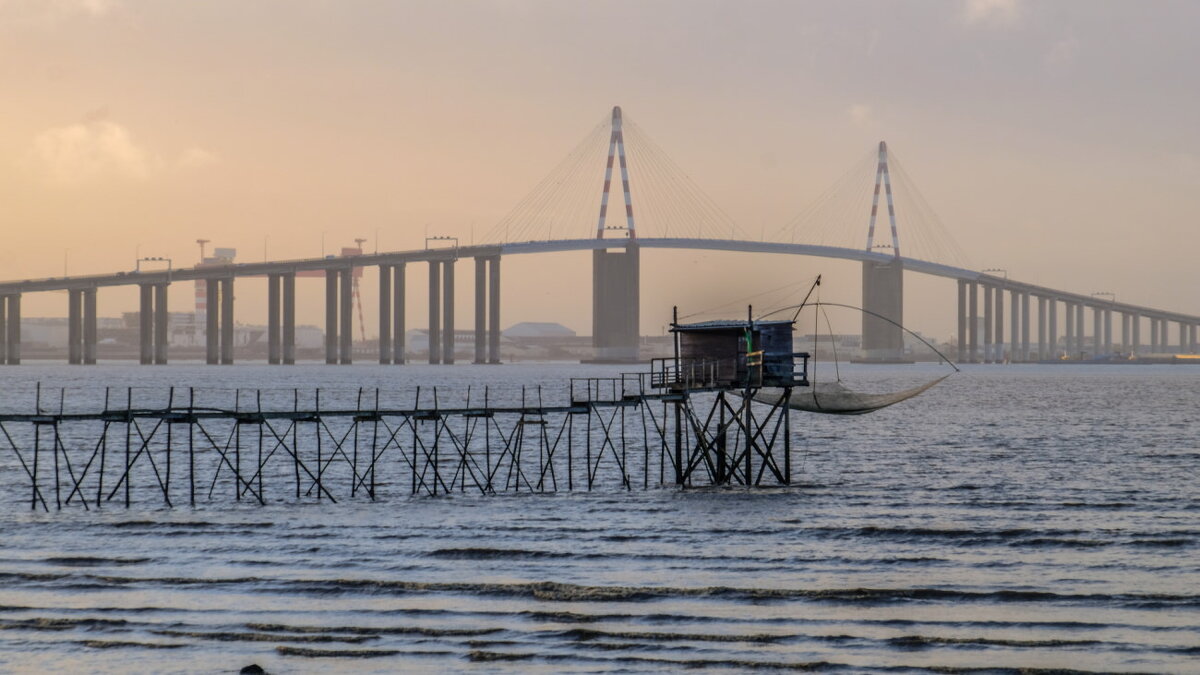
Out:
{"x": 281, "y": 273}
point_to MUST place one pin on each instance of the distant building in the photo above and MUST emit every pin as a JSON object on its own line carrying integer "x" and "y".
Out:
{"x": 537, "y": 329}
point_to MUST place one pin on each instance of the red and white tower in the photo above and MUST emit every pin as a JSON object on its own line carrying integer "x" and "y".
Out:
{"x": 883, "y": 177}
{"x": 616, "y": 149}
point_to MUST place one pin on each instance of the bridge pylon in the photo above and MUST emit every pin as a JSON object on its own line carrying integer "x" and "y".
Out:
{"x": 616, "y": 271}
{"x": 883, "y": 281}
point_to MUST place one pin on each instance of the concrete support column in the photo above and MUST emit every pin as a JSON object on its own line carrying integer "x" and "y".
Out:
{"x": 448, "y": 312}
{"x": 1154, "y": 343}
{"x": 1136, "y": 322}
{"x": 435, "y": 312}
{"x": 1069, "y": 316}
{"x": 274, "y": 341}
{"x": 398, "y": 329}
{"x": 1025, "y": 354}
{"x": 962, "y": 320}
{"x": 74, "y": 326}
{"x": 1108, "y": 341}
{"x": 3, "y": 329}
{"x": 973, "y": 321}
{"x": 1079, "y": 329}
{"x": 346, "y": 328}
{"x": 212, "y": 331}
{"x": 1097, "y": 330}
{"x": 1192, "y": 339}
{"x": 494, "y": 310}
{"x": 1014, "y": 329}
{"x": 1052, "y": 327}
{"x": 987, "y": 324}
{"x": 385, "y": 315}
{"x": 480, "y": 309}
{"x": 161, "y": 318}
{"x": 289, "y": 318}
{"x": 227, "y": 321}
{"x": 146, "y": 324}
{"x": 89, "y": 326}
{"x": 1043, "y": 351}
{"x": 1183, "y": 337}
{"x": 331, "y": 317}
{"x": 998, "y": 343}
{"x": 13, "y": 321}
{"x": 1125, "y": 335}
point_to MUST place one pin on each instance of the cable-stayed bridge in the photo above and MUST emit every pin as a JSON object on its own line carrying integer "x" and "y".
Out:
{"x": 566, "y": 212}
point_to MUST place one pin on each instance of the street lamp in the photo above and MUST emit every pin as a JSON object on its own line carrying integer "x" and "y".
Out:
{"x": 442, "y": 238}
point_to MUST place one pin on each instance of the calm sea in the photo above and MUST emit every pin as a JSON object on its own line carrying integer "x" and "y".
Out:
{"x": 1019, "y": 517}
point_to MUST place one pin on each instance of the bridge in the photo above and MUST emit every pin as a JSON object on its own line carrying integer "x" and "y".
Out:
{"x": 616, "y": 260}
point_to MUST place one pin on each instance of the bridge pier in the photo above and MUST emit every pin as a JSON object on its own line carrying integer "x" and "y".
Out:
{"x": 331, "y": 317}
{"x": 346, "y": 329}
{"x": 74, "y": 326}
{"x": 1080, "y": 344}
{"x": 1135, "y": 321}
{"x": 1192, "y": 339}
{"x": 212, "y": 323}
{"x": 494, "y": 310}
{"x": 480, "y": 309}
{"x": 289, "y": 318}
{"x": 1025, "y": 354}
{"x": 987, "y": 323}
{"x": 1069, "y": 316}
{"x": 89, "y": 326}
{"x": 1125, "y": 336}
{"x": 161, "y": 325}
{"x": 962, "y": 321}
{"x": 1097, "y": 330}
{"x": 1164, "y": 337}
{"x": 998, "y": 346}
{"x": 973, "y": 322}
{"x": 1041, "y": 341}
{"x": 1154, "y": 341}
{"x": 1108, "y": 341}
{"x": 487, "y": 309}
{"x": 435, "y": 315}
{"x": 616, "y": 311}
{"x": 1053, "y": 328}
{"x": 398, "y": 308}
{"x": 883, "y": 296}
{"x": 226, "y": 321}
{"x": 1014, "y": 328}
{"x": 12, "y": 311}
{"x": 385, "y": 315}
{"x": 274, "y": 337}
{"x": 448, "y": 312}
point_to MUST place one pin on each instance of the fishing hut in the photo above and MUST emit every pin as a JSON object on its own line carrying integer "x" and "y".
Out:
{"x": 690, "y": 421}
{"x": 719, "y": 366}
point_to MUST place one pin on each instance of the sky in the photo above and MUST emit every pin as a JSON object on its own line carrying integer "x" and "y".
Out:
{"x": 1054, "y": 140}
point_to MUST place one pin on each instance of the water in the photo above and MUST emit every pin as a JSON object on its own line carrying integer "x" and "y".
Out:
{"x": 1012, "y": 517}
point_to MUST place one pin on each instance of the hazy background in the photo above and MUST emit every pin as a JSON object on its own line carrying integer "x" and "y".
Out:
{"x": 1057, "y": 140}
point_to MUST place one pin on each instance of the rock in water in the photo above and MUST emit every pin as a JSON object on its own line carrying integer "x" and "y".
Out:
{"x": 252, "y": 669}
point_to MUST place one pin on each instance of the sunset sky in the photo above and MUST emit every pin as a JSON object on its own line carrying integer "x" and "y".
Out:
{"x": 1056, "y": 140}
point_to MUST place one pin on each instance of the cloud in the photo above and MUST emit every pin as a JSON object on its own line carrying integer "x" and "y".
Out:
{"x": 991, "y": 12}
{"x": 859, "y": 113}
{"x": 95, "y": 149}
{"x": 1062, "y": 55}
{"x": 100, "y": 149}
{"x": 195, "y": 157}
{"x": 51, "y": 11}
